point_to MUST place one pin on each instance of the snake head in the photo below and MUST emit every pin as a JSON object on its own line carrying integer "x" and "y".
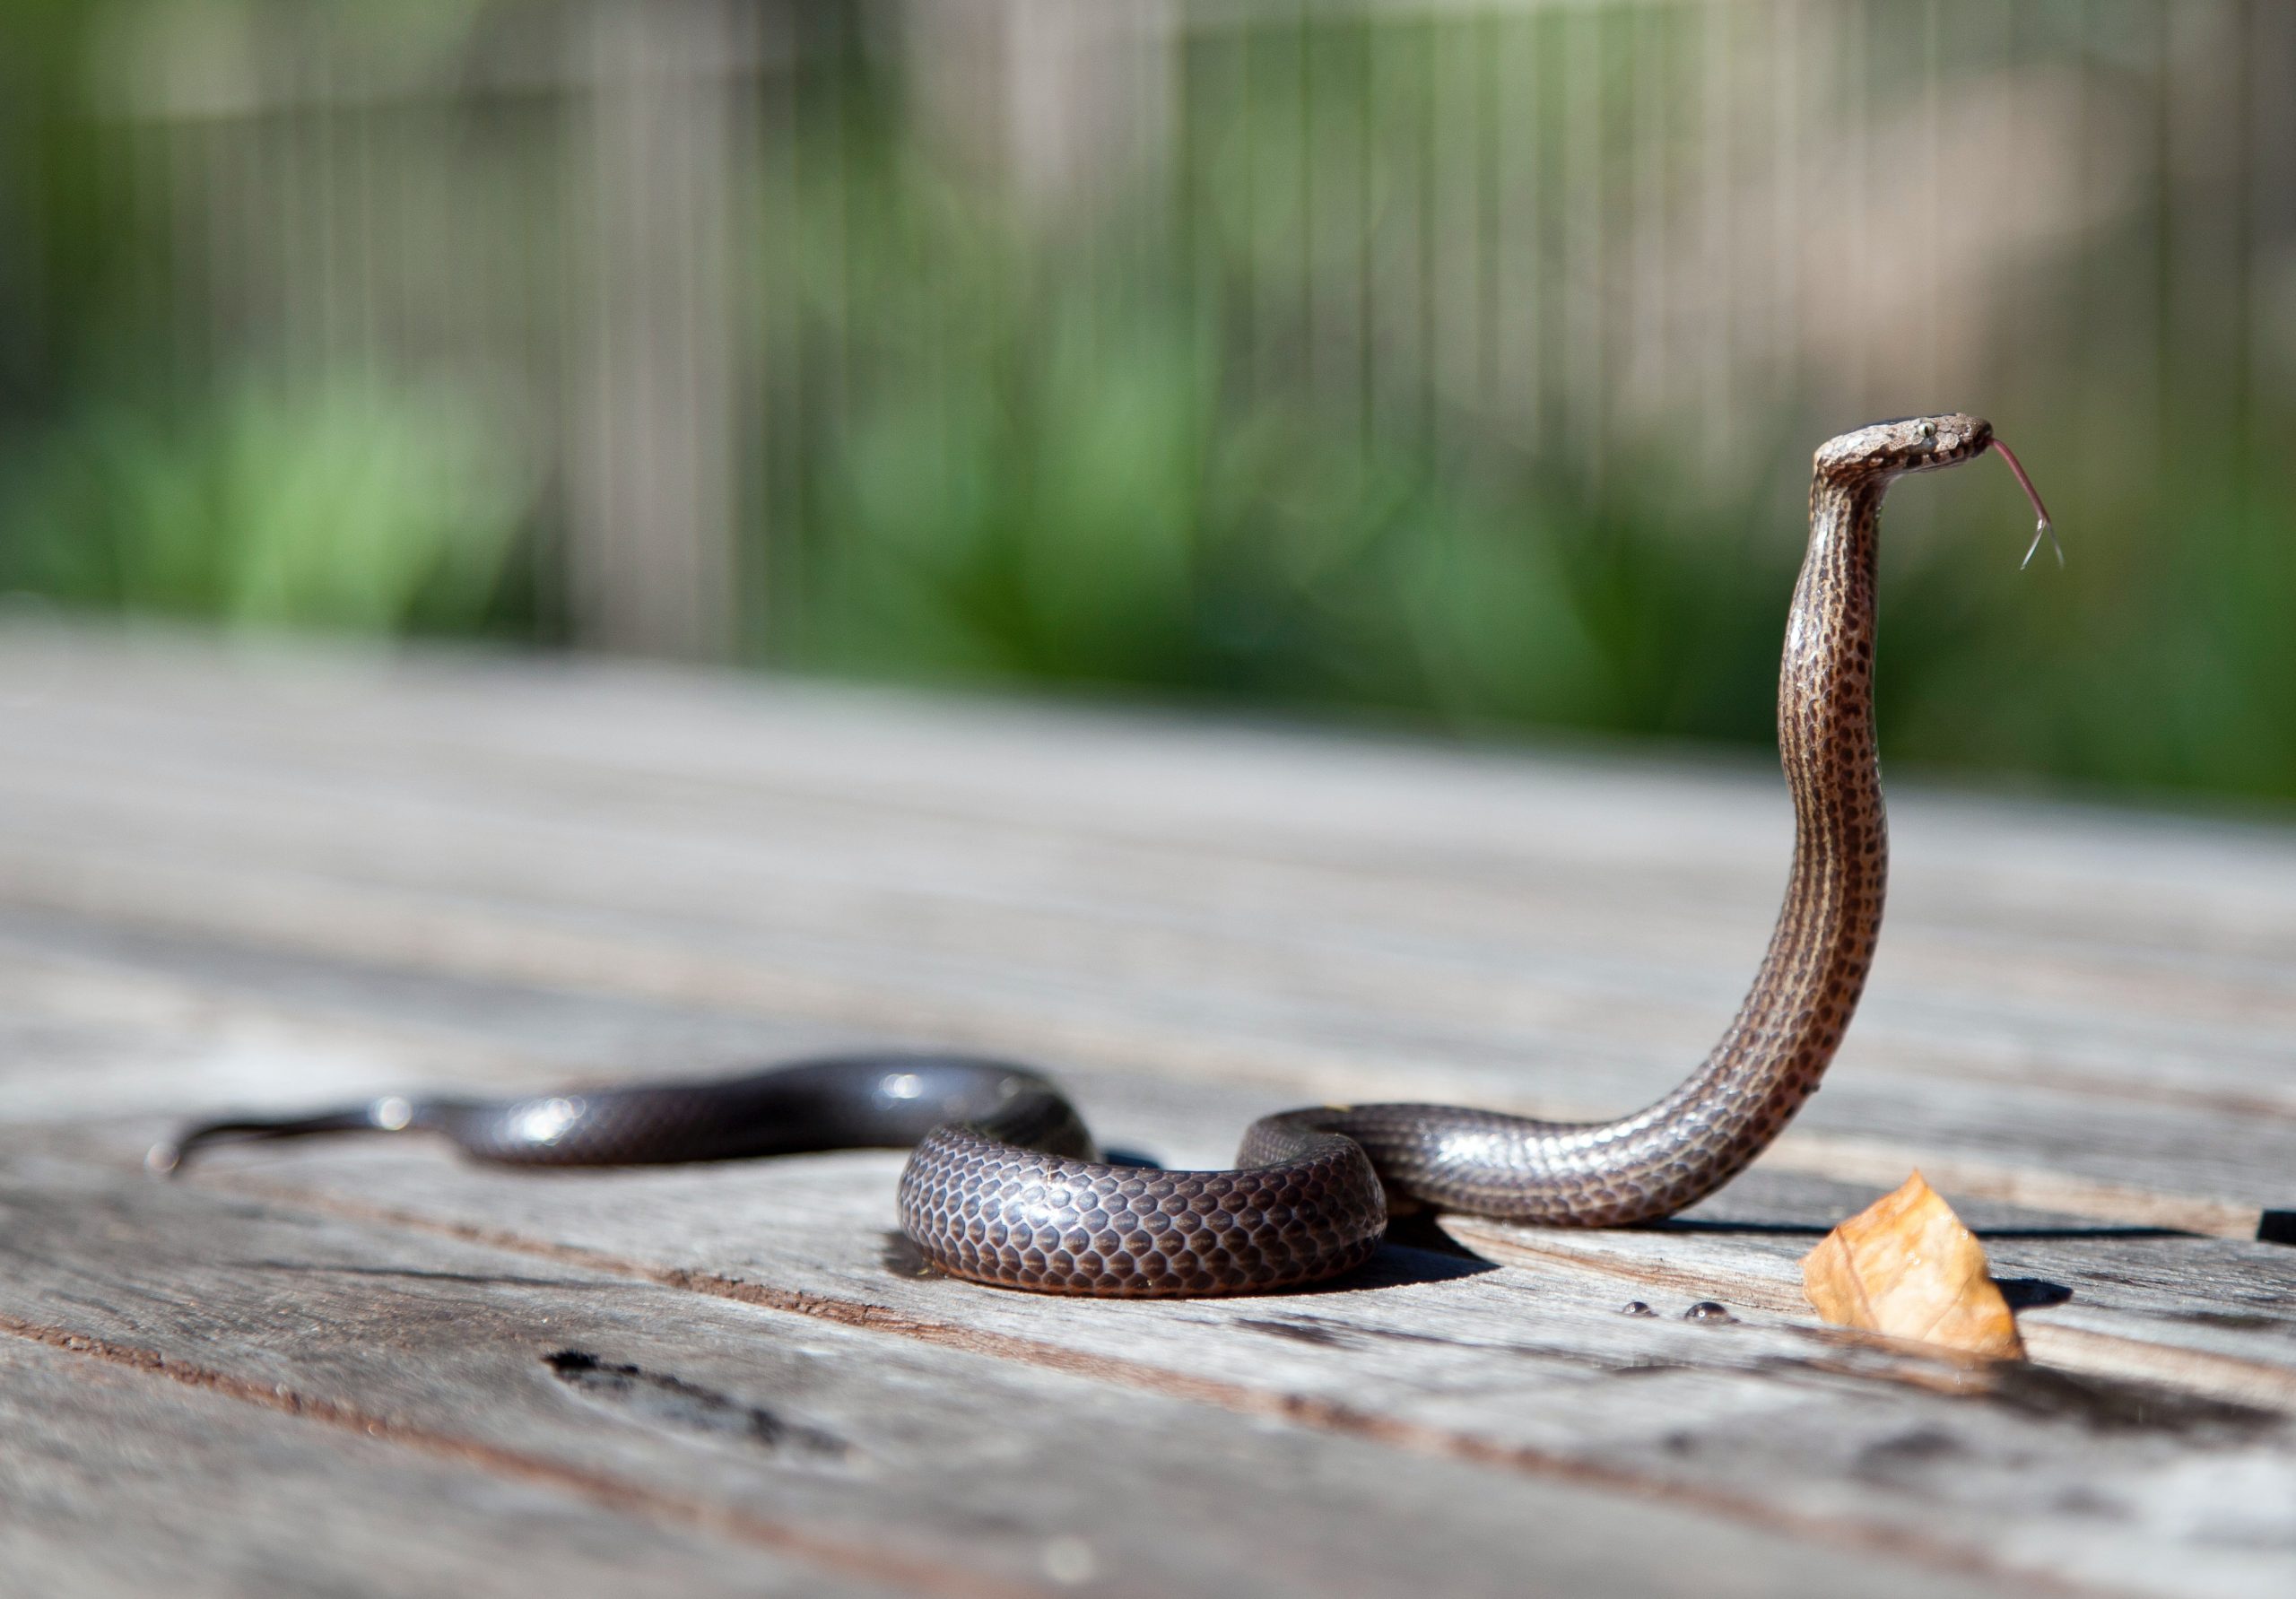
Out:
{"x": 1881, "y": 451}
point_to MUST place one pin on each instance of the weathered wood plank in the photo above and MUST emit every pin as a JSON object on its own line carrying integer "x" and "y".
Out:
{"x": 114, "y": 1481}
{"x": 940, "y": 1468}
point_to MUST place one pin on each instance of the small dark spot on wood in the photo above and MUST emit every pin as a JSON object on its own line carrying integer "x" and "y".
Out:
{"x": 1349, "y": 1335}
{"x": 899, "y": 1254}
{"x": 688, "y": 1407}
{"x": 2276, "y": 1227}
{"x": 1892, "y": 1458}
{"x": 1299, "y": 1332}
{"x": 2031, "y": 1294}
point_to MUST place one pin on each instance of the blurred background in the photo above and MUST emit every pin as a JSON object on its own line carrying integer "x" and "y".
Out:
{"x": 1449, "y": 364}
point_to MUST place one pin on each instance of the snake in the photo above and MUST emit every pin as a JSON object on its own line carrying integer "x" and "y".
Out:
{"x": 1004, "y": 1184}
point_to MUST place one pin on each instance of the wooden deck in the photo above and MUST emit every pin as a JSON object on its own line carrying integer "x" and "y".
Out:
{"x": 284, "y": 880}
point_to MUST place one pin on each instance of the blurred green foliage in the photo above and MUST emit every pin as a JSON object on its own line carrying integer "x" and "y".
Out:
{"x": 1088, "y": 518}
{"x": 1070, "y": 512}
{"x": 361, "y": 507}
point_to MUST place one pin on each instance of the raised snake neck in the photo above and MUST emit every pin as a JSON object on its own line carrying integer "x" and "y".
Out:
{"x": 1003, "y": 1186}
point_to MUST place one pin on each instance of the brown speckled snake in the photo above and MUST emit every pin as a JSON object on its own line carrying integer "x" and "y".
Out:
{"x": 1004, "y": 1187}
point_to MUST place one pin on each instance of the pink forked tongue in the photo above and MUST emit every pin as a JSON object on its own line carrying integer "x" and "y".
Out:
{"x": 2045, "y": 528}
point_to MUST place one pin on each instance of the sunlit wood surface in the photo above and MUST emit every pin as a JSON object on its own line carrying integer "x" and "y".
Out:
{"x": 284, "y": 879}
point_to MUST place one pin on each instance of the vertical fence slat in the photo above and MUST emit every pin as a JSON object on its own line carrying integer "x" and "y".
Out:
{"x": 1519, "y": 278}
{"x": 650, "y": 502}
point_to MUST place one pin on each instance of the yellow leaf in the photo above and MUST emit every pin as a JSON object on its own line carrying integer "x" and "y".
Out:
{"x": 1906, "y": 1266}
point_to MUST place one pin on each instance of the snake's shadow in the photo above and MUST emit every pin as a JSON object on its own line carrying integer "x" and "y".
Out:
{"x": 1415, "y": 1250}
{"x": 2022, "y": 1293}
{"x": 1818, "y": 1229}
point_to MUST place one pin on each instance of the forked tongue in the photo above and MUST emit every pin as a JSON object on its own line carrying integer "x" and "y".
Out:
{"x": 2043, "y": 527}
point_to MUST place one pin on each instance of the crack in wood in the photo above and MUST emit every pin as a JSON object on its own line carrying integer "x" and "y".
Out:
{"x": 410, "y": 1273}
{"x": 609, "y": 1493}
{"x": 690, "y": 1407}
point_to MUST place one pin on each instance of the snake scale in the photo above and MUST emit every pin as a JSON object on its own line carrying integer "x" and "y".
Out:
{"x": 1004, "y": 1184}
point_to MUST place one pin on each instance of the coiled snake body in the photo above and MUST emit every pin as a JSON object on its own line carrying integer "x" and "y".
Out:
{"x": 1005, "y": 1185}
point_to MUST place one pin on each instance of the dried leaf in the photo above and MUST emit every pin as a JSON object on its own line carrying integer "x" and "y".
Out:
{"x": 1905, "y": 1266}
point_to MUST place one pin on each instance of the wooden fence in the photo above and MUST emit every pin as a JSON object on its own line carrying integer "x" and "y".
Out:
{"x": 678, "y": 244}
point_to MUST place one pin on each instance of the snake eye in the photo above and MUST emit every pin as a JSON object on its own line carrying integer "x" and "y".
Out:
{"x": 1928, "y": 429}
